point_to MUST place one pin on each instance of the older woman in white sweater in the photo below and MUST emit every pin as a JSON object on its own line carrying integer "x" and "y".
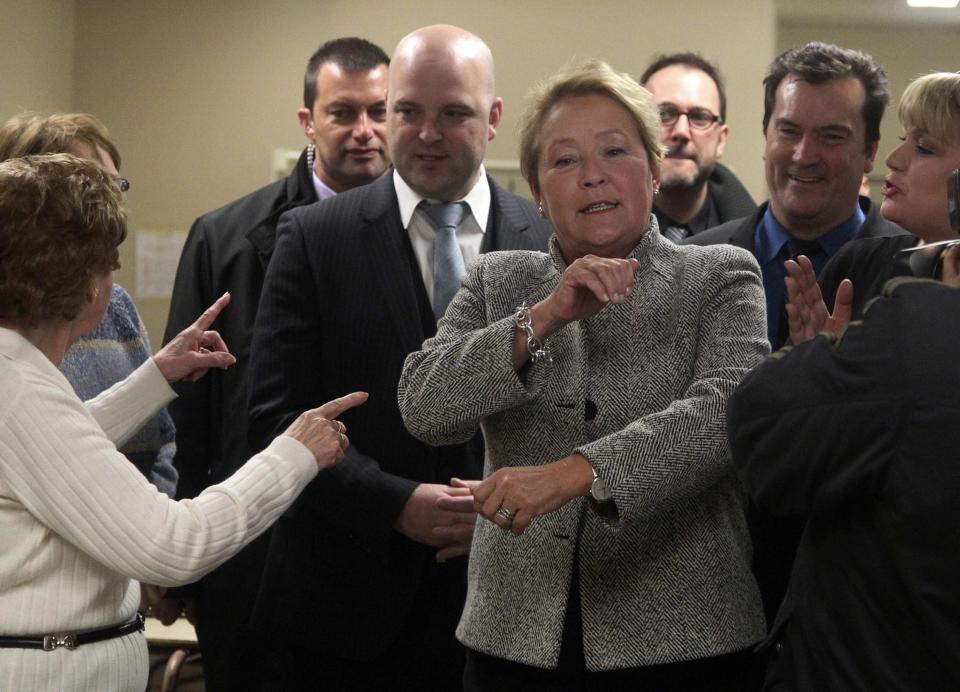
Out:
{"x": 79, "y": 525}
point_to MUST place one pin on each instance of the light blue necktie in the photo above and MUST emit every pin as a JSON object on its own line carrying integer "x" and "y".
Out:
{"x": 676, "y": 233}
{"x": 448, "y": 268}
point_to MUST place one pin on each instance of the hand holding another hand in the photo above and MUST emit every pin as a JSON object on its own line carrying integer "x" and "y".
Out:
{"x": 440, "y": 516}
{"x": 513, "y": 497}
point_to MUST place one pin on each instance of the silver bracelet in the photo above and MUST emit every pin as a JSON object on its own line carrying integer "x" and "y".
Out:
{"x": 538, "y": 349}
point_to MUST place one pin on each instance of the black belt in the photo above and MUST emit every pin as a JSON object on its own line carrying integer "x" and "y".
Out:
{"x": 49, "y": 642}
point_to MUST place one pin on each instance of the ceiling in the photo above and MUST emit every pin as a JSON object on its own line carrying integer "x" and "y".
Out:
{"x": 865, "y": 12}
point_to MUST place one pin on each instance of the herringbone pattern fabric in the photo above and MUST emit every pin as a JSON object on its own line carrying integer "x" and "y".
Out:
{"x": 671, "y": 581}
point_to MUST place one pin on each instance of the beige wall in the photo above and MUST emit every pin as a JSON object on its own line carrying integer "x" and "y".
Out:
{"x": 198, "y": 95}
{"x": 36, "y": 55}
{"x": 905, "y": 51}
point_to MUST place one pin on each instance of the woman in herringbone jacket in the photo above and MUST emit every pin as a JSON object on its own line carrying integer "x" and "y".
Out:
{"x": 612, "y": 553}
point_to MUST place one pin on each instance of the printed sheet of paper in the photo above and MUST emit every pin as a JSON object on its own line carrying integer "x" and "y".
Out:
{"x": 158, "y": 253}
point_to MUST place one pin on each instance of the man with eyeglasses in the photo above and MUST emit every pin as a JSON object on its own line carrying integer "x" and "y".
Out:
{"x": 344, "y": 118}
{"x": 822, "y": 110}
{"x": 696, "y": 192}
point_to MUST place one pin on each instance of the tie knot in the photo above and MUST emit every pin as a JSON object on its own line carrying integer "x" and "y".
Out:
{"x": 810, "y": 248}
{"x": 676, "y": 233}
{"x": 445, "y": 214}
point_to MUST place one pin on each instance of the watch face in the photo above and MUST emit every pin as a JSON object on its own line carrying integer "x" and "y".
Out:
{"x": 599, "y": 490}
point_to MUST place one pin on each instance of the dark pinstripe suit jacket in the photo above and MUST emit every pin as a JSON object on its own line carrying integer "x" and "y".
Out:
{"x": 671, "y": 580}
{"x": 343, "y": 303}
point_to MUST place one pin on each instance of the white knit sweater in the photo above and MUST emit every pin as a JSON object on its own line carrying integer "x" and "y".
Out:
{"x": 79, "y": 525}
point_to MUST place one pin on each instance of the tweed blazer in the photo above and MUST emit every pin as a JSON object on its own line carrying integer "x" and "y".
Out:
{"x": 640, "y": 389}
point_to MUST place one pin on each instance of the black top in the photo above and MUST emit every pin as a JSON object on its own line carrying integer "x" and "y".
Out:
{"x": 869, "y": 264}
{"x": 864, "y": 436}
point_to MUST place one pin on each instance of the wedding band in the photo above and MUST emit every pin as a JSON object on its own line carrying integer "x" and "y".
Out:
{"x": 505, "y": 513}
{"x": 341, "y": 427}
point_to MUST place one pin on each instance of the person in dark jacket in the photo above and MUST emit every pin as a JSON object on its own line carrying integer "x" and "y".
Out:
{"x": 228, "y": 250}
{"x": 823, "y": 106}
{"x": 365, "y": 579}
{"x": 862, "y": 427}
{"x": 696, "y": 192}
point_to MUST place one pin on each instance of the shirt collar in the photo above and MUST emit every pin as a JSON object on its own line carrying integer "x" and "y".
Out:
{"x": 773, "y": 236}
{"x": 20, "y": 350}
{"x": 323, "y": 191}
{"x": 478, "y": 199}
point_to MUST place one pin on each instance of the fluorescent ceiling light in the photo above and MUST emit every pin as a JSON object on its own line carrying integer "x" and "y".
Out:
{"x": 933, "y": 3}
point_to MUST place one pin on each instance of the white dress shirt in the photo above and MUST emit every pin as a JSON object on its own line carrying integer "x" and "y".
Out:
{"x": 469, "y": 232}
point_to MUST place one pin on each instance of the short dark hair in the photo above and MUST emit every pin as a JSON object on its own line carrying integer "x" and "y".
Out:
{"x": 351, "y": 54}
{"x": 818, "y": 62}
{"x": 61, "y": 220}
{"x": 694, "y": 61}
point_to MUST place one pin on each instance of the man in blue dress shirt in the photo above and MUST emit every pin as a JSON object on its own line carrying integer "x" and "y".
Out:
{"x": 821, "y": 121}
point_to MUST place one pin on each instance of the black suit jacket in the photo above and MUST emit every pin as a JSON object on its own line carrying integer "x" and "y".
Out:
{"x": 227, "y": 250}
{"x": 343, "y": 304}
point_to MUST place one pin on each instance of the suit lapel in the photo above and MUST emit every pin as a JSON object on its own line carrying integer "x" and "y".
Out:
{"x": 385, "y": 245}
{"x": 744, "y": 234}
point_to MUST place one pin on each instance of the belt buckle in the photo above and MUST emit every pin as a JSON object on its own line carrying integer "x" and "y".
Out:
{"x": 55, "y": 641}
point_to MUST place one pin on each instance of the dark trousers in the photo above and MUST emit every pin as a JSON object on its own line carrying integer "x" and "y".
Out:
{"x": 425, "y": 657}
{"x": 225, "y": 600}
{"x": 483, "y": 673}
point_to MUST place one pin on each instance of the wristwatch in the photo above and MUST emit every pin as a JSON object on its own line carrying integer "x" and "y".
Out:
{"x": 599, "y": 490}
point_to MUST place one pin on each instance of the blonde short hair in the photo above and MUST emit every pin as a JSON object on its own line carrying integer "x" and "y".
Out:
{"x": 592, "y": 77}
{"x": 61, "y": 220}
{"x": 931, "y": 104}
{"x": 31, "y": 133}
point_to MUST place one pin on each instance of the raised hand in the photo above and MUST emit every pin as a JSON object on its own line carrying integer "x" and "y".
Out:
{"x": 806, "y": 310}
{"x": 195, "y": 350}
{"x": 588, "y": 284}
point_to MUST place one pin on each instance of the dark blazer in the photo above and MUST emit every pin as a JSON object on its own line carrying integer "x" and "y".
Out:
{"x": 740, "y": 231}
{"x": 775, "y": 539}
{"x": 865, "y": 440}
{"x": 869, "y": 263}
{"x": 730, "y": 198}
{"x": 226, "y": 250}
{"x": 343, "y": 304}
{"x": 727, "y": 199}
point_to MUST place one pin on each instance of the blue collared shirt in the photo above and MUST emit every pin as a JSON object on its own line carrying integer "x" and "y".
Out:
{"x": 769, "y": 241}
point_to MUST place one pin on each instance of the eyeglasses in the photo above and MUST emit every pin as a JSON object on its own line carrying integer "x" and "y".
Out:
{"x": 122, "y": 183}
{"x": 699, "y": 118}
